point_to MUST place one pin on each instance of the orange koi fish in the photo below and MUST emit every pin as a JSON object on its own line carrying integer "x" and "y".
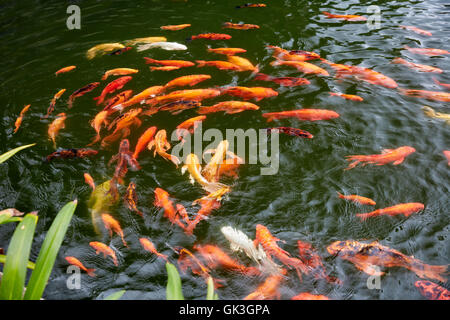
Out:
{"x": 64, "y": 70}
{"x": 144, "y": 140}
{"x": 347, "y": 17}
{"x": 211, "y": 36}
{"x": 161, "y": 146}
{"x": 117, "y": 99}
{"x": 247, "y": 93}
{"x": 416, "y": 66}
{"x": 387, "y": 155}
{"x": 432, "y": 291}
{"x": 119, "y": 72}
{"x": 366, "y": 256}
{"x": 230, "y": 107}
{"x": 207, "y": 206}
{"x": 190, "y": 80}
{"x": 346, "y": 96}
{"x": 178, "y": 106}
{"x": 337, "y": 66}
{"x": 74, "y": 261}
{"x": 123, "y": 122}
{"x": 239, "y": 26}
{"x": 55, "y": 126}
{"x": 216, "y": 257}
{"x": 166, "y": 68}
{"x": 269, "y": 244}
{"x": 427, "y": 51}
{"x": 406, "y": 209}
{"x": 82, "y": 91}
{"x": 251, "y": 5}
{"x": 97, "y": 123}
{"x": 221, "y": 65}
{"x": 89, "y": 180}
{"x": 100, "y": 247}
{"x": 309, "y": 296}
{"x": 175, "y": 27}
{"x": 71, "y": 153}
{"x": 447, "y": 155}
{"x": 53, "y": 102}
{"x": 291, "y": 132}
{"x": 367, "y": 75}
{"x": 111, "y": 225}
{"x": 445, "y": 85}
{"x": 188, "y": 126}
{"x": 170, "y": 63}
{"x": 242, "y": 63}
{"x": 268, "y": 290}
{"x": 230, "y": 167}
{"x": 130, "y": 199}
{"x": 20, "y": 118}
{"x": 302, "y": 114}
{"x": 357, "y": 199}
{"x": 185, "y": 95}
{"x": 148, "y": 245}
{"x": 150, "y": 92}
{"x": 211, "y": 170}
{"x": 111, "y": 87}
{"x": 417, "y": 30}
{"x": 283, "y": 81}
{"x": 162, "y": 200}
{"x": 301, "y": 66}
{"x": 227, "y": 51}
{"x": 292, "y": 55}
{"x": 424, "y": 94}
{"x": 188, "y": 260}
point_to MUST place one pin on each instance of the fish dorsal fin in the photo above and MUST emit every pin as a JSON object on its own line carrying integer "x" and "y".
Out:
{"x": 384, "y": 151}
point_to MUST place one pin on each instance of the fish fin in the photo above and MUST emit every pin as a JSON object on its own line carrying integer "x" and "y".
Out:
{"x": 384, "y": 151}
{"x": 363, "y": 216}
{"x": 398, "y": 161}
{"x": 90, "y": 272}
{"x": 431, "y": 272}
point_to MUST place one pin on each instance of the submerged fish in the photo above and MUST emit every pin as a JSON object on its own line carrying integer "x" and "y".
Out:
{"x": 445, "y": 85}
{"x": 416, "y": 66}
{"x": 425, "y": 94}
{"x": 357, "y": 199}
{"x": 240, "y": 26}
{"x": 119, "y": 51}
{"x": 185, "y": 95}
{"x": 229, "y": 107}
{"x": 169, "y": 46}
{"x": 190, "y": 80}
{"x": 119, "y": 72}
{"x": 221, "y": 65}
{"x": 144, "y": 140}
{"x": 346, "y": 96}
{"x": 397, "y": 156}
{"x": 347, "y": 17}
{"x": 309, "y": 296}
{"x": 166, "y": 68}
{"x": 55, "y": 126}
{"x": 291, "y": 132}
{"x": 247, "y": 93}
{"x": 102, "y": 49}
{"x": 114, "y": 85}
{"x": 417, "y": 30}
{"x": 74, "y": 261}
{"x": 242, "y": 63}
{"x": 149, "y": 246}
{"x": 283, "y": 81}
{"x": 19, "y": 120}
{"x": 301, "y": 66}
{"x": 447, "y": 155}
{"x": 178, "y": 106}
{"x": 111, "y": 225}
{"x": 82, "y": 91}
{"x": 170, "y": 63}
{"x": 161, "y": 146}
{"x": 211, "y": 36}
{"x": 227, "y": 51}
{"x": 89, "y": 180}
{"x": 64, "y": 70}
{"x": 302, "y": 114}
{"x": 71, "y": 153}
{"x": 251, "y": 5}
{"x": 432, "y": 291}
{"x": 406, "y": 209}
{"x": 100, "y": 247}
{"x": 268, "y": 290}
{"x": 146, "y": 40}
{"x": 130, "y": 199}
{"x": 429, "y": 112}
{"x": 188, "y": 127}
{"x": 53, "y": 102}
{"x": 427, "y": 51}
{"x": 175, "y": 27}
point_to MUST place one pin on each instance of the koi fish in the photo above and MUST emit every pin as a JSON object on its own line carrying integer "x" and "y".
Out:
{"x": 416, "y": 66}
{"x": 216, "y": 257}
{"x": 306, "y": 55}
{"x": 268, "y": 290}
{"x": 144, "y": 140}
{"x": 74, "y": 261}
{"x": 148, "y": 245}
{"x": 64, "y": 70}
{"x": 229, "y": 107}
{"x": 293, "y": 55}
{"x": 140, "y": 97}
{"x": 447, "y": 155}
{"x": 146, "y": 40}
{"x": 227, "y": 51}
{"x": 71, "y": 153}
{"x": 89, "y": 180}
{"x": 337, "y": 66}
{"x": 357, "y": 199}
{"x": 100, "y": 247}
{"x": 188, "y": 126}
{"x": 117, "y": 99}
{"x": 53, "y": 102}
{"x": 424, "y": 94}
{"x": 221, "y": 65}
{"x": 178, "y": 106}
{"x": 301, "y": 66}
{"x": 111, "y": 225}
{"x": 211, "y": 36}
{"x": 207, "y": 206}
{"x": 161, "y": 146}
{"x": 309, "y": 296}
{"x": 366, "y": 256}
{"x": 124, "y": 121}
{"x": 185, "y": 95}
{"x": 190, "y": 80}
{"x": 312, "y": 259}
{"x": 429, "y": 112}
{"x": 302, "y": 114}
{"x": 432, "y": 291}
{"x": 346, "y": 96}
{"x": 175, "y": 27}
{"x": 387, "y": 155}
{"x": 119, "y": 72}
{"x": 82, "y": 91}
{"x": 102, "y": 49}
{"x": 283, "y": 81}
{"x": 347, "y": 17}
{"x": 119, "y": 51}
{"x": 211, "y": 170}
{"x": 406, "y": 209}
{"x": 445, "y": 85}
{"x": 162, "y": 200}
{"x": 55, "y": 126}
{"x": 247, "y": 93}
{"x": 131, "y": 199}
{"x": 170, "y": 63}
{"x": 230, "y": 166}
{"x": 417, "y": 30}
{"x": 427, "y": 51}
{"x": 243, "y": 64}
{"x": 20, "y": 118}
{"x": 239, "y": 26}
{"x": 111, "y": 87}
{"x": 169, "y": 46}
{"x": 97, "y": 123}
{"x": 251, "y": 5}
{"x": 269, "y": 244}
{"x": 367, "y": 75}
{"x": 291, "y": 131}
{"x": 166, "y": 68}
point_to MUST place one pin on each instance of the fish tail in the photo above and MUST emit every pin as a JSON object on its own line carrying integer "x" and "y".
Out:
{"x": 96, "y": 139}
{"x": 269, "y": 118}
{"x": 436, "y": 81}
{"x": 340, "y": 195}
{"x": 352, "y": 165}
{"x": 431, "y": 272}
{"x": 200, "y": 63}
{"x": 275, "y": 63}
{"x": 363, "y": 216}
{"x": 262, "y": 76}
{"x": 149, "y": 60}
{"x": 104, "y": 77}
{"x": 327, "y": 13}
{"x": 203, "y": 110}
{"x": 90, "y": 272}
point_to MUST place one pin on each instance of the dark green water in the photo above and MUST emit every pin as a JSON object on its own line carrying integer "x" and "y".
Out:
{"x": 299, "y": 203}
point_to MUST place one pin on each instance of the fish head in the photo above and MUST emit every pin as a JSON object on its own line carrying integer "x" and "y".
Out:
{"x": 341, "y": 247}
{"x": 124, "y": 146}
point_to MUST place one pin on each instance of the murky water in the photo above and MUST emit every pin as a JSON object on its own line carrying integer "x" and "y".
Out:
{"x": 298, "y": 203}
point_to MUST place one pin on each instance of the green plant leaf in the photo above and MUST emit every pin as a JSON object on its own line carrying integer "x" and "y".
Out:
{"x": 12, "y": 152}
{"x": 30, "y": 265}
{"x": 4, "y": 219}
{"x": 210, "y": 294}
{"x": 15, "y": 268}
{"x": 49, "y": 251}
{"x": 115, "y": 296}
{"x": 173, "y": 290}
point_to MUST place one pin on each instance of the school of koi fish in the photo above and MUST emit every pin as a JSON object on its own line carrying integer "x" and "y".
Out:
{"x": 120, "y": 110}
